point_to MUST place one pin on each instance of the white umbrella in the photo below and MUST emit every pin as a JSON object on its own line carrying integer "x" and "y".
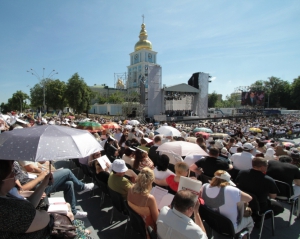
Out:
{"x": 182, "y": 148}
{"x": 133, "y": 122}
{"x": 48, "y": 142}
{"x": 168, "y": 131}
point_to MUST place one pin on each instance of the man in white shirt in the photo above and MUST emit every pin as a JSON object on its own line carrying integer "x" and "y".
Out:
{"x": 243, "y": 161}
{"x": 176, "y": 222}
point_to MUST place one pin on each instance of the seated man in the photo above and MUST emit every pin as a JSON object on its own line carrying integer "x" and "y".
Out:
{"x": 210, "y": 164}
{"x": 64, "y": 180}
{"x": 283, "y": 170}
{"x": 176, "y": 222}
{"x": 243, "y": 161}
{"x": 116, "y": 180}
{"x": 153, "y": 154}
{"x": 256, "y": 181}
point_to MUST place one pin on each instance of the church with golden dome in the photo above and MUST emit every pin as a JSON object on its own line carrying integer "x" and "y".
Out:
{"x": 140, "y": 60}
{"x": 144, "y": 75}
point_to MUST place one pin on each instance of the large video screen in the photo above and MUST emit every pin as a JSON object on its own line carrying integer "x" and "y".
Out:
{"x": 253, "y": 98}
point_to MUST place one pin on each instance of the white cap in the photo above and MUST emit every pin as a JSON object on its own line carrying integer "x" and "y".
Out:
{"x": 226, "y": 176}
{"x": 119, "y": 166}
{"x": 248, "y": 146}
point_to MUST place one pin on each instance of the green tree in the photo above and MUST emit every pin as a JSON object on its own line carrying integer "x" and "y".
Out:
{"x": 212, "y": 99}
{"x": 36, "y": 95}
{"x": 78, "y": 94}
{"x": 18, "y": 101}
{"x": 116, "y": 98}
{"x": 55, "y": 94}
{"x": 101, "y": 99}
{"x": 295, "y": 94}
{"x": 279, "y": 92}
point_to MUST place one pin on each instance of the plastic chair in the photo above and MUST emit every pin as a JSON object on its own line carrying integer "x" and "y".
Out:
{"x": 119, "y": 204}
{"x": 137, "y": 223}
{"x": 254, "y": 205}
{"x": 220, "y": 223}
{"x": 151, "y": 233}
{"x": 285, "y": 196}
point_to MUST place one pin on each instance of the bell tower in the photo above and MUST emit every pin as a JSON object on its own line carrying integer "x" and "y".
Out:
{"x": 140, "y": 60}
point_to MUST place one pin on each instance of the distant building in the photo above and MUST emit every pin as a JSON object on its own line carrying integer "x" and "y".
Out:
{"x": 145, "y": 77}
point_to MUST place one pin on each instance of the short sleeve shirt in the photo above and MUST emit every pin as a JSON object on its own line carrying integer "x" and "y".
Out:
{"x": 16, "y": 217}
{"x": 261, "y": 185}
{"x": 119, "y": 184}
{"x": 210, "y": 165}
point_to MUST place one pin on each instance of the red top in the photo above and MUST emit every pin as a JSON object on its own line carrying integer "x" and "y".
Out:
{"x": 172, "y": 184}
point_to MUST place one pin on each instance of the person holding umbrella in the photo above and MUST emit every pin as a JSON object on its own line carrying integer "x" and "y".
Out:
{"x": 64, "y": 180}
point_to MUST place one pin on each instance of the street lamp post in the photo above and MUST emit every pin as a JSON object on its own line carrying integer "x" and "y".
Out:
{"x": 42, "y": 81}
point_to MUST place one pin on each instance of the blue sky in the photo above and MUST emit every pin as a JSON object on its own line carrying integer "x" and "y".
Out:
{"x": 236, "y": 42}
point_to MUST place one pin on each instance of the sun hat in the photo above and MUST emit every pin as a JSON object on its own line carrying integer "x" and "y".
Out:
{"x": 226, "y": 176}
{"x": 119, "y": 166}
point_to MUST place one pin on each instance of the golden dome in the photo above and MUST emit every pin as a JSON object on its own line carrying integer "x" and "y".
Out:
{"x": 143, "y": 43}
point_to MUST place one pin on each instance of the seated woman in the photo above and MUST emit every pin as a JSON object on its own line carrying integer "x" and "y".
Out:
{"x": 129, "y": 156}
{"x": 140, "y": 199}
{"x": 220, "y": 196}
{"x": 111, "y": 149}
{"x": 142, "y": 160}
{"x": 181, "y": 169}
{"x": 161, "y": 171}
{"x": 101, "y": 175}
{"x": 19, "y": 218}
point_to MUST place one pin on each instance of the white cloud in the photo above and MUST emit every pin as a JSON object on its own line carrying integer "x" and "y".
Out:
{"x": 213, "y": 78}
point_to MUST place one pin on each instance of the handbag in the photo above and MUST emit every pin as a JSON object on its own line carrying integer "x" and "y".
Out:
{"x": 61, "y": 226}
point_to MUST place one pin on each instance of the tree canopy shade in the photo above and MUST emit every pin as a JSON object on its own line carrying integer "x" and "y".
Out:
{"x": 295, "y": 94}
{"x": 277, "y": 92}
{"x": 54, "y": 94}
{"x": 17, "y": 102}
{"x": 78, "y": 94}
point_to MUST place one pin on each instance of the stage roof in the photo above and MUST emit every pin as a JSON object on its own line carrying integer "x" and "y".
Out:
{"x": 182, "y": 88}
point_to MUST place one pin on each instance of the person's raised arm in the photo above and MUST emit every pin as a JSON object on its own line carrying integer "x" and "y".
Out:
{"x": 30, "y": 185}
{"x": 38, "y": 192}
{"x": 197, "y": 217}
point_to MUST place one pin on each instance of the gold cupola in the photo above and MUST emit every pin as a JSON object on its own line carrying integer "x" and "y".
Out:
{"x": 143, "y": 43}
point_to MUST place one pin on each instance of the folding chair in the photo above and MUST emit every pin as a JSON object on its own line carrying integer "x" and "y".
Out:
{"x": 119, "y": 204}
{"x": 151, "y": 233}
{"x": 137, "y": 223}
{"x": 254, "y": 205}
{"x": 285, "y": 195}
{"x": 220, "y": 223}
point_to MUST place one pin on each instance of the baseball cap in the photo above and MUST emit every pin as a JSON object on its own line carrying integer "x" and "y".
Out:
{"x": 119, "y": 166}
{"x": 226, "y": 176}
{"x": 248, "y": 146}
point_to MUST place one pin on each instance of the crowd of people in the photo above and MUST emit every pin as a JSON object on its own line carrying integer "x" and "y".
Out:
{"x": 240, "y": 163}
